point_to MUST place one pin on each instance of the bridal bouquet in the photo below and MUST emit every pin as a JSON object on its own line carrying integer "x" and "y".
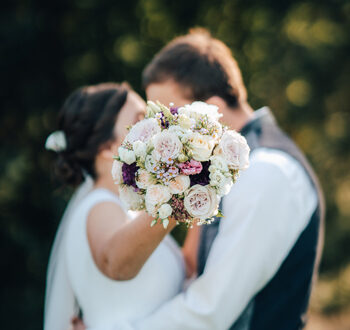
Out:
{"x": 178, "y": 162}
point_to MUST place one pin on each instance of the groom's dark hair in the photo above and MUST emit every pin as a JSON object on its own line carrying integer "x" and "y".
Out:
{"x": 202, "y": 64}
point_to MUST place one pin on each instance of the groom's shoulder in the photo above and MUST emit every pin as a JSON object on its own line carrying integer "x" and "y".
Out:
{"x": 271, "y": 157}
{"x": 267, "y": 164}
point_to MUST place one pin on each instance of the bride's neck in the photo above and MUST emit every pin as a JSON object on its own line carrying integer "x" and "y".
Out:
{"x": 106, "y": 182}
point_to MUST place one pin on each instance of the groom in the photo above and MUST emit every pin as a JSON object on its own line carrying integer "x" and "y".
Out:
{"x": 256, "y": 266}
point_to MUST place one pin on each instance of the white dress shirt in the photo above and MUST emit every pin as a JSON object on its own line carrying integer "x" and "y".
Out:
{"x": 265, "y": 212}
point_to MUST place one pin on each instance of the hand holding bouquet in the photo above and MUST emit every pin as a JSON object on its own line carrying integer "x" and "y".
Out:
{"x": 178, "y": 162}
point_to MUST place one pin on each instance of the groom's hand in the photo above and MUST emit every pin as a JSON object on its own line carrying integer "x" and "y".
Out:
{"x": 78, "y": 324}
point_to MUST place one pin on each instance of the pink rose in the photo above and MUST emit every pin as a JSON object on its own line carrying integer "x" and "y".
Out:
{"x": 201, "y": 201}
{"x": 233, "y": 147}
{"x": 143, "y": 130}
{"x": 190, "y": 168}
{"x": 167, "y": 146}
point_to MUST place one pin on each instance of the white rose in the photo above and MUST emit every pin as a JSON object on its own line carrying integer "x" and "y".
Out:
{"x": 234, "y": 149}
{"x": 218, "y": 163}
{"x": 126, "y": 155}
{"x": 186, "y": 122}
{"x": 182, "y": 133}
{"x": 221, "y": 182}
{"x": 143, "y": 130}
{"x": 144, "y": 179}
{"x": 165, "y": 211}
{"x": 201, "y": 146}
{"x": 130, "y": 198}
{"x": 140, "y": 149}
{"x": 150, "y": 164}
{"x": 157, "y": 194}
{"x": 198, "y": 109}
{"x": 117, "y": 172}
{"x": 179, "y": 184}
{"x": 167, "y": 146}
{"x": 201, "y": 201}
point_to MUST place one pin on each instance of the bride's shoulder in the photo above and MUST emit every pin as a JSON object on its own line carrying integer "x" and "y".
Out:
{"x": 98, "y": 196}
{"x": 94, "y": 200}
{"x": 92, "y": 212}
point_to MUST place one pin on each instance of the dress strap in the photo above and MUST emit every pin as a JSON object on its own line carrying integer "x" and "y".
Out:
{"x": 101, "y": 195}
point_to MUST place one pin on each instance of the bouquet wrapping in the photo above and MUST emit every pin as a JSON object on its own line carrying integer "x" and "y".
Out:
{"x": 179, "y": 162}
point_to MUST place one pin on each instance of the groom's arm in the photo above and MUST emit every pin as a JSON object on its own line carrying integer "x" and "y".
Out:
{"x": 265, "y": 213}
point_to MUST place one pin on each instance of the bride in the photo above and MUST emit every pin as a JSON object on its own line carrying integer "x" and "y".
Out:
{"x": 91, "y": 264}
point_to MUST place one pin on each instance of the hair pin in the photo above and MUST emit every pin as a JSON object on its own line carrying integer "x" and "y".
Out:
{"x": 56, "y": 141}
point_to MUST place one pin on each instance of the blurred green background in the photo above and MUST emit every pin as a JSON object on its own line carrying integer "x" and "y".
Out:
{"x": 294, "y": 56}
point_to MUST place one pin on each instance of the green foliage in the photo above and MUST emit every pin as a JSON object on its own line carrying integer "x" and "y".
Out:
{"x": 220, "y": 214}
{"x": 294, "y": 58}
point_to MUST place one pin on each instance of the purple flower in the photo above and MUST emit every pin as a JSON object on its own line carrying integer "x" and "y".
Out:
{"x": 203, "y": 177}
{"x": 163, "y": 122}
{"x": 173, "y": 110}
{"x": 129, "y": 173}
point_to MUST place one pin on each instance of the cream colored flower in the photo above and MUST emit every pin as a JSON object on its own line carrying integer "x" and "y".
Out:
{"x": 157, "y": 194}
{"x": 132, "y": 200}
{"x": 167, "y": 146}
{"x": 201, "y": 146}
{"x": 126, "y": 155}
{"x": 140, "y": 149}
{"x": 234, "y": 149}
{"x": 144, "y": 179}
{"x": 181, "y": 132}
{"x": 165, "y": 211}
{"x": 179, "y": 184}
{"x": 185, "y": 122}
{"x": 143, "y": 130}
{"x": 198, "y": 109}
{"x": 201, "y": 201}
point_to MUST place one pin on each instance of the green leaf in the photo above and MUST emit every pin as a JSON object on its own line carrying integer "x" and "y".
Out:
{"x": 219, "y": 215}
{"x": 153, "y": 222}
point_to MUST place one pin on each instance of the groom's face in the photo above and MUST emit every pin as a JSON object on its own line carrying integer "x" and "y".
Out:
{"x": 168, "y": 92}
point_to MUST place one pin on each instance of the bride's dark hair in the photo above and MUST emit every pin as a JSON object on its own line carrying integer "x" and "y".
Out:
{"x": 87, "y": 118}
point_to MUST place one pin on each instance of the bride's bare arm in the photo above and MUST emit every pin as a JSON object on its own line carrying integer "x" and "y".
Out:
{"x": 190, "y": 250}
{"x": 120, "y": 247}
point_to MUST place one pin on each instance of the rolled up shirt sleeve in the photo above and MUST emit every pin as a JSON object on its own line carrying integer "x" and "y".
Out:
{"x": 265, "y": 212}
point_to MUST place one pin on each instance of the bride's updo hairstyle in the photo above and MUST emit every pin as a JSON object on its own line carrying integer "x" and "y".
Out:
{"x": 87, "y": 119}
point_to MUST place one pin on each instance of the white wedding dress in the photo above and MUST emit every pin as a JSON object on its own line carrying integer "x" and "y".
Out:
{"x": 105, "y": 302}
